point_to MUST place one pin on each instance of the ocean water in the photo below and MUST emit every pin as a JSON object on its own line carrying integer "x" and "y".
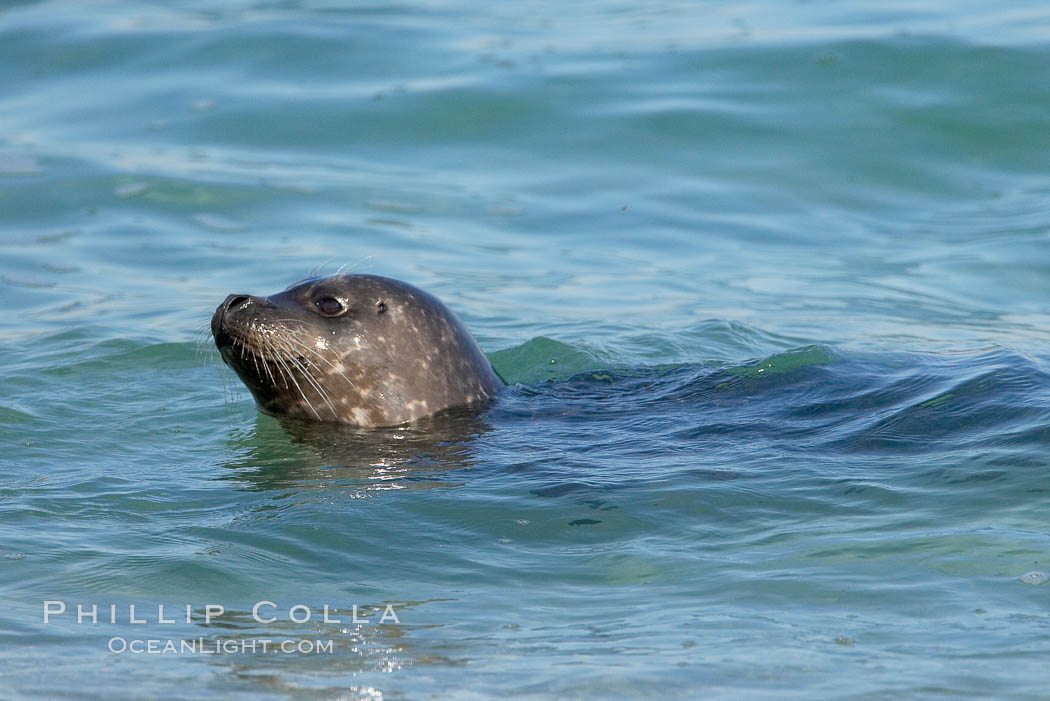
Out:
{"x": 769, "y": 282}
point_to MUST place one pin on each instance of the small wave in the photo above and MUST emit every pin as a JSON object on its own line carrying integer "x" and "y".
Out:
{"x": 813, "y": 397}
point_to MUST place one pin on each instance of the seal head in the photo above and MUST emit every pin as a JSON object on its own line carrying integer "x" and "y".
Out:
{"x": 355, "y": 349}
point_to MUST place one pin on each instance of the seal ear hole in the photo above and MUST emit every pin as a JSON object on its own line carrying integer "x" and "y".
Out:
{"x": 380, "y": 307}
{"x": 331, "y": 306}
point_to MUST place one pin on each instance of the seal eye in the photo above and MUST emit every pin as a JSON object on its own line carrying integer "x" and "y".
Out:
{"x": 380, "y": 307}
{"x": 330, "y": 306}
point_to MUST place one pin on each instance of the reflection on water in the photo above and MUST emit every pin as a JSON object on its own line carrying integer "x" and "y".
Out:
{"x": 336, "y": 456}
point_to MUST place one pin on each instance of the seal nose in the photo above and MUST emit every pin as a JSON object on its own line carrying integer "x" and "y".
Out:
{"x": 234, "y": 302}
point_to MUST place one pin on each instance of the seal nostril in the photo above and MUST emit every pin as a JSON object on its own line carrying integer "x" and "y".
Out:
{"x": 237, "y": 301}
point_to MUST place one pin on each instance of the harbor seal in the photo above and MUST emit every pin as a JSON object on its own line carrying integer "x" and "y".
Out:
{"x": 353, "y": 349}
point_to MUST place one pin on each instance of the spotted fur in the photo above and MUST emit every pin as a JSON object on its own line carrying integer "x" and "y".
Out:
{"x": 355, "y": 349}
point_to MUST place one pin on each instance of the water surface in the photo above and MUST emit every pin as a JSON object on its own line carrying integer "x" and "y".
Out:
{"x": 768, "y": 281}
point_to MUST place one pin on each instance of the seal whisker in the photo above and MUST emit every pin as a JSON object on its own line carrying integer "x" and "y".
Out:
{"x": 335, "y": 368}
{"x": 255, "y": 361}
{"x": 315, "y": 272}
{"x": 351, "y": 266}
{"x": 245, "y": 351}
{"x": 271, "y": 358}
{"x": 291, "y": 376}
{"x": 203, "y": 336}
{"x": 269, "y": 371}
{"x": 317, "y": 353}
{"x": 268, "y": 359}
{"x": 313, "y": 382}
{"x": 316, "y": 380}
{"x": 257, "y": 358}
{"x": 291, "y": 352}
{"x": 297, "y": 362}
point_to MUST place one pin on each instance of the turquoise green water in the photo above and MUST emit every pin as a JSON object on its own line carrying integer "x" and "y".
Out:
{"x": 769, "y": 281}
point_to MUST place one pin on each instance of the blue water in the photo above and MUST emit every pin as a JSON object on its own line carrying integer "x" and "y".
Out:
{"x": 769, "y": 282}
